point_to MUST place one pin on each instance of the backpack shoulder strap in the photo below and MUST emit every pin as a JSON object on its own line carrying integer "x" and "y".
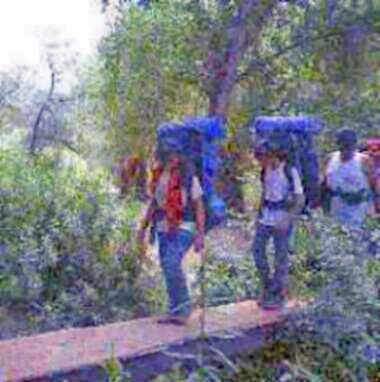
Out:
{"x": 188, "y": 186}
{"x": 289, "y": 176}
{"x": 262, "y": 176}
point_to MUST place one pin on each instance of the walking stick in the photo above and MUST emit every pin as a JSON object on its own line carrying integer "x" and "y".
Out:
{"x": 202, "y": 306}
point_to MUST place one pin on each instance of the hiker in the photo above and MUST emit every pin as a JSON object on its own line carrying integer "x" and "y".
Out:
{"x": 176, "y": 207}
{"x": 349, "y": 182}
{"x": 282, "y": 200}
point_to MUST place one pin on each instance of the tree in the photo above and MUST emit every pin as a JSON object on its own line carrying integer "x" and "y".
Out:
{"x": 234, "y": 59}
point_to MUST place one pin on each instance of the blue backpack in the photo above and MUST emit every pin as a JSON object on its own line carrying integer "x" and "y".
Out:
{"x": 199, "y": 140}
{"x": 296, "y": 135}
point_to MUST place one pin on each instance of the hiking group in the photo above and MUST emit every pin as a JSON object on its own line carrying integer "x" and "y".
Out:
{"x": 183, "y": 203}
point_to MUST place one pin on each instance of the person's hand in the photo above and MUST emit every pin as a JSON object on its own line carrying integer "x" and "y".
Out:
{"x": 316, "y": 203}
{"x": 199, "y": 242}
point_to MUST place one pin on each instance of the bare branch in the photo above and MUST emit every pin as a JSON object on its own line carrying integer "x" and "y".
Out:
{"x": 64, "y": 142}
{"x": 37, "y": 122}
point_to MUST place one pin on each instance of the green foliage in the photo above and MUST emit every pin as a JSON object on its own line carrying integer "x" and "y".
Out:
{"x": 66, "y": 239}
{"x": 114, "y": 369}
{"x": 148, "y": 72}
{"x": 228, "y": 282}
{"x": 336, "y": 337}
{"x": 295, "y": 361}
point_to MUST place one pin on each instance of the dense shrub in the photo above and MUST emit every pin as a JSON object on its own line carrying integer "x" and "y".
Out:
{"x": 65, "y": 239}
{"x": 345, "y": 313}
{"x": 337, "y": 337}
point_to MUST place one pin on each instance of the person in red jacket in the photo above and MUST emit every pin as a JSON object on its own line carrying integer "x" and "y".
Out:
{"x": 176, "y": 208}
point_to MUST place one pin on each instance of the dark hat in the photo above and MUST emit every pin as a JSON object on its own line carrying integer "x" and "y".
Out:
{"x": 346, "y": 138}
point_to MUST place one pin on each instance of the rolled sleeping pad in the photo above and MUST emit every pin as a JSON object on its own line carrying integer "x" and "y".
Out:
{"x": 298, "y": 125}
{"x": 211, "y": 128}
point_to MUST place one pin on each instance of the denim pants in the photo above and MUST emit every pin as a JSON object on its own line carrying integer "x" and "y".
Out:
{"x": 173, "y": 246}
{"x": 280, "y": 277}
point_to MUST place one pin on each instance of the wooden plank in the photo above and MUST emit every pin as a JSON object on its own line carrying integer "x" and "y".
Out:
{"x": 64, "y": 351}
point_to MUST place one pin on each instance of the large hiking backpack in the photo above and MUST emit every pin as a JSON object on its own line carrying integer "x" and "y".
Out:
{"x": 296, "y": 134}
{"x": 199, "y": 140}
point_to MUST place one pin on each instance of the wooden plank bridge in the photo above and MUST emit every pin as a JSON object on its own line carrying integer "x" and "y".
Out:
{"x": 77, "y": 355}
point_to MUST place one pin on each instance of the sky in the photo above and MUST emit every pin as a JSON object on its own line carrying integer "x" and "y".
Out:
{"x": 26, "y": 27}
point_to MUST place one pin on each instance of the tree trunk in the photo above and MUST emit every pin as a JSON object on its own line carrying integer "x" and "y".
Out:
{"x": 222, "y": 75}
{"x": 240, "y": 35}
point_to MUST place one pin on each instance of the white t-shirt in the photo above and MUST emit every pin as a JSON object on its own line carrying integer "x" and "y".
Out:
{"x": 349, "y": 177}
{"x": 276, "y": 189}
{"x": 161, "y": 193}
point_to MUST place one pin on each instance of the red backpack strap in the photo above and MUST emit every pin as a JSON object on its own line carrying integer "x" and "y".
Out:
{"x": 174, "y": 207}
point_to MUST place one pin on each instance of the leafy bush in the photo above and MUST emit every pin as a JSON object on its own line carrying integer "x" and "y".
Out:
{"x": 65, "y": 240}
{"x": 337, "y": 337}
{"x": 344, "y": 315}
{"x": 228, "y": 282}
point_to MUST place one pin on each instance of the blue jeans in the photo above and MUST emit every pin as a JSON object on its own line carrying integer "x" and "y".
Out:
{"x": 281, "y": 241}
{"x": 172, "y": 248}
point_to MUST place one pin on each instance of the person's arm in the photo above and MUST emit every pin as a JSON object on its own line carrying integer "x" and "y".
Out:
{"x": 146, "y": 220}
{"x": 368, "y": 168}
{"x": 299, "y": 197}
{"x": 296, "y": 209}
{"x": 297, "y": 203}
{"x": 325, "y": 193}
{"x": 324, "y": 168}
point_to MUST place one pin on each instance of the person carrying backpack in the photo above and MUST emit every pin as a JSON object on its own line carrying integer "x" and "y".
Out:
{"x": 176, "y": 208}
{"x": 282, "y": 200}
{"x": 348, "y": 182}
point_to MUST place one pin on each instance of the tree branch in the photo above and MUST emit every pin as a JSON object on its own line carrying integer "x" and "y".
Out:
{"x": 238, "y": 40}
{"x": 62, "y": 141}
{"x": 68, "y": 145}
{"x": 282, "y": 52}
{"x": 37, "y": 122}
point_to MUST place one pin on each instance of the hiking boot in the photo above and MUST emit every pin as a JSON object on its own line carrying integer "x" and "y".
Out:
{"x": 273, "y": 303}
{"x": 264, "y": 295}
{"x": 273, "y": 300}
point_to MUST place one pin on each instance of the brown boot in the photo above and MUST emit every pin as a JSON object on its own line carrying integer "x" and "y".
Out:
{"x": 273, "y": 298}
